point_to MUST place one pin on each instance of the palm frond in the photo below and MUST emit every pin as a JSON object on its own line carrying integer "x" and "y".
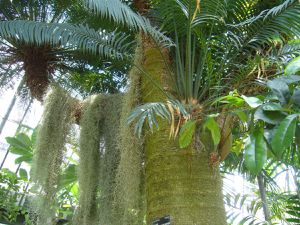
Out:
{"x": 242, "y": 209}
{"x": 272, "y": 25}
{"x": 239, "y": 10}
{"x": 73, "y": 37}
{"x": 124, "y": 15}
{"x": 285, "y": 53}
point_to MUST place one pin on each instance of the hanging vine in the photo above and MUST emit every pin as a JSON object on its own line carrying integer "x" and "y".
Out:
{"x": 50, "y": 149}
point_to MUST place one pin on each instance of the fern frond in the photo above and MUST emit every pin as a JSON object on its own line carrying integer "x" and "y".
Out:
{"x": 74, "y": 37}
{"x": 122, "y": 14}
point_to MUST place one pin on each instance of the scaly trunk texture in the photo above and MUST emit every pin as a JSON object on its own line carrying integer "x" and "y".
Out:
{"x": 179, "y": 182}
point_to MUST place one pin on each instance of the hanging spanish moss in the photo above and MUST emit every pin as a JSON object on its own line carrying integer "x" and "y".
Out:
{"x": 110, "y": 159}
{"x": 130, "y": 189}
{"x": 50, "y": 149}
{"x": 89, "y": 161}
{"x": 99, "y": 158}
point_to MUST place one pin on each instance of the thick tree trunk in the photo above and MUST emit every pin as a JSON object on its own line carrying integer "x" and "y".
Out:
{"x": 179, "y": 182}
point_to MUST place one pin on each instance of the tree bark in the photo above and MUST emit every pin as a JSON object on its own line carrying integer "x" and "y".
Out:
{"x": 179, "y": 182}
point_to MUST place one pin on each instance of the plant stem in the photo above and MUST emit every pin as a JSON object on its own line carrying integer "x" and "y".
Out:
{"x": 262, "y": 191}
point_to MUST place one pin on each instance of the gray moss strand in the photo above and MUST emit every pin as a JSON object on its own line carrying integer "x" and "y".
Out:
{"x": 50, "y": 149}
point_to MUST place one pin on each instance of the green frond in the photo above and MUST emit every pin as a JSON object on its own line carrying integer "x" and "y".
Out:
{"x": 124, "y": 15}
{"x": 73, "y": 37}
{"x": 149, "y": 112}
{"x": 285, "y": 53}
{"x": 239, "y": 10}
{"x": 272, "y": 25}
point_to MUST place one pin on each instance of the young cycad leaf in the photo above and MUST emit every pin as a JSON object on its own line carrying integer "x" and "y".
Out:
{"x": 284, "y": 134}
{"x": 186, "y": 133}
{"x": 256, "y": 151}
{"x": 293, "y": 67}
{"x": 214, "y": 129}
{"x": 148, "y": 113}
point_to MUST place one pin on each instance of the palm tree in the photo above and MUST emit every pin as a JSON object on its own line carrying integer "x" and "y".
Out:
{"x": 218, "y": 45}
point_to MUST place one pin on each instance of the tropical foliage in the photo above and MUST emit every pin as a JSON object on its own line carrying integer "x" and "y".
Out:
{"x": 224, "y": 80}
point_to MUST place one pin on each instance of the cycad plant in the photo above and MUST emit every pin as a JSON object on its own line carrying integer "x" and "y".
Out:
{"x": 222, "y": 46}
{"x": 37, "y": 42}
{"x": 219, "y": 46}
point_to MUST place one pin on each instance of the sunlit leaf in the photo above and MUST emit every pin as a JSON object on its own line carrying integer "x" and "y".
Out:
{"x": 253, "y": 102}
{"x": 293, "y": 67}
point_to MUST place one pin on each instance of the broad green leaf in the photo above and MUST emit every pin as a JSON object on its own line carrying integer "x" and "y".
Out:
{"x": 186, "y": 133}
{"x": 296, "y": 97}
{"x": 23, "y": 174}
{"x": 289, "y": 79}
{"x": 253, "y": 102}
{"x": 293, "y": 67}
{"x": 21, "y": 144}
{"x": 18, "y": 151}
{"x": 74, "y": 190}
{"x": 271, "y": 106}
{"x": 230, "y": 100}
{"x": 280, "y": 89}
{"x": 214, "y": 129}
{"x": 284, "y": 134}
{"x": 271, "y": 117}
{"x": 24, "y": 158}
{"x": 256, "y": 151}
